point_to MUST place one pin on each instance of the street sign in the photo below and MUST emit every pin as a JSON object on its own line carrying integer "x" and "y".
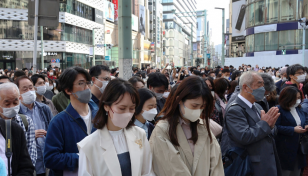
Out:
{"x": 100, "y": 45}
{"x": 57, "y": 60}
{"x": 48, "y": 13}
{"x": 283, "y": 51}
{"x": 53, "y": 61}
{"x": 107, "y": 58}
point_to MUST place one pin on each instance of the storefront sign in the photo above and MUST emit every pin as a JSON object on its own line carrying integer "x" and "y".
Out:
{"x": 107, "y": 58}
{"x": 134, "y": 23}
{"x": 239, "y": 38}
{"x": 8, "y": 57}
{"x": 49, "y": 53}
{"x": 115, "y": 2}
{"x": 109, "y": 11}
{"x": 99, "y": 16}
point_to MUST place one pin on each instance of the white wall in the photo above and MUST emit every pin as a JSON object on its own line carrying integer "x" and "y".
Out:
{"x": 273, "y": 61}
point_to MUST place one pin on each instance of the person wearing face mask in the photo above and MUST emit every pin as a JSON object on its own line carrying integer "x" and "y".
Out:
{"x": 146, "y": 111}
{"x": 71, "y": 125}
{"x": 158, "y": 84}
{"x": 40, "y": 89}
{"x": 137, "y": 82}
{"x": 181, "y": 142}
{"x": 283, "y": 75}
{"x": 40, "y": 114}
{"x": 49, "y": 87}
{"x": 117, "y": 147}
{"x": 248, "y": 126}
{"x": 292, "y": 122}
{"x": 296, "y": 77}
{"x": 100, "y": 77}
{"x": 22, "y": 144}
{"x": 225, "y": 74}
{"x": 269, "y": 86}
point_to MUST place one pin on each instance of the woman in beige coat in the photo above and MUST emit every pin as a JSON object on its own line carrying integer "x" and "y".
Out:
{"x": 182, "y": 143}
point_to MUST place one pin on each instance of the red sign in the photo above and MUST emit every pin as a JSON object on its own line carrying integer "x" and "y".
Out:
{"x": 53, "y": 60}
{"x": 108, "y": 32}
{"x": 115, "y": 2}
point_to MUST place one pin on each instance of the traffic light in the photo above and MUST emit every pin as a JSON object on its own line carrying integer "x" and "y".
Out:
{"x": 283, "y": 51}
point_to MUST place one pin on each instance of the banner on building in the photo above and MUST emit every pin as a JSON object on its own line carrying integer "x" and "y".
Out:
{"x": 99, "y": 16}
{"x": 141, "y": 19}
{"x": 134, "y": 23}
{"x": 238, "y": 17}
{"x": 115, "y": 3}
{"x": 195, "y": 46}
{"x": 109, "y": 11}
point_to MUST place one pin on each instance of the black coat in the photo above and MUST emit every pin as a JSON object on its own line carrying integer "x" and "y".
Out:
{"x": 21, "y": 161}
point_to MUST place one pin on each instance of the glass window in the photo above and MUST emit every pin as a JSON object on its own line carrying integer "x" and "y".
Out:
{"x": 259, "y": 13}
{"x": 271, "y": 41}
{"x": 288, "y": 10}
{"x": 250, "y": 43}
{"x": 259, "y": 42}
{"x": 287, "y": 38}
{"x": 271, "y": 11}
{"x": 299, "y": 39}
{"x": 14, "y": 4}
{"x": 251, "y": 18}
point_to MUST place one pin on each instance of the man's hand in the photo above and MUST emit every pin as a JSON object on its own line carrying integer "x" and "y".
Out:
{"x": 299, "y": 129}
{"x": 40, "y": 133}
{"x": 166, "y": 65}
{"x": 271, "y": 116}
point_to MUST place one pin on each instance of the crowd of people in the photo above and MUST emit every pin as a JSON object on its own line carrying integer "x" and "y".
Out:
{"x": 173, "y": 121}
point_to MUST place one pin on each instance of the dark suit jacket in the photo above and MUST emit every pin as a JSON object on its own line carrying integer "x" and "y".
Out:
{"x": 21, "y": 161}
{"x": 244, "y": 129}
{"x": 150, "y": 130}
{"x": 287, "y": 141}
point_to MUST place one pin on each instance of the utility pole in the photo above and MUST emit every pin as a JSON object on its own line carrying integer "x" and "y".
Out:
{"x": 223, "y": 37}
{"x": 42, "y": 48}
{"x": 125, "y": 38}
{"x": 205, "y": 40}
{"x": 35, "y": 34}
{"x": 303, "y": 24}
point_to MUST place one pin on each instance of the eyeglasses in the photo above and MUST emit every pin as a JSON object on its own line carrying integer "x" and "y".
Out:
{"x": 104, "y": 78}
{"x": 83, "y": 84}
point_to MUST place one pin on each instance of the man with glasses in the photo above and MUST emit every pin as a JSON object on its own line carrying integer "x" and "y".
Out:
{"x": 100, "y": 77}
{"x": 39, "y": 113}
{"x": 269, "y": 86}
{"x": 296, "y": 76}
{"x": 71, "y": 125}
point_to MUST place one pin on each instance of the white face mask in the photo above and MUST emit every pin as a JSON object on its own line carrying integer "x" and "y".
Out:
{"x": 158, "y": 95}
{"x": 54, "y": 84}
{"x": 105, "y": 83}
{"x": 301, "y": 78}
{"x": 150, "y": 114}
{"x": 248, "y": 68}
{"x": 226, "y": 77}
{"x": 41, "y": 90}
{"x": 166, "y": 94}
{"x": 192, "y": 115}
{"x": 50, "y": 73}
{"x": 284, "y": 79}
{"x": 10, "y": 112}
{"x": 28, "y": 97}
{"x": 46, "y": 84}
{"x": 298, "y": 101}
{"x": 49, "y": 88}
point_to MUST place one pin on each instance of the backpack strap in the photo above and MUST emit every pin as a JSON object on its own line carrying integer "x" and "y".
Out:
{"x": 24, "y": 121}
{"x": 8, "y": 144}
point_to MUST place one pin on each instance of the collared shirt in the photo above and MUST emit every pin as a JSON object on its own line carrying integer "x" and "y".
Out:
{"x": 40, "y": 142}
{"x": 2, "y": 152}
{"x": 143, "y": 126}
{"x": 30, "y": 136}
{"x": 187, "y": 131}
{"x": 247, "y": 102}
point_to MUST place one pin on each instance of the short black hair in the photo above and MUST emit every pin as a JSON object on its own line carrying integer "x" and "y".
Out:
{"x": 68, "y": 77}
{"x": 197, "y": 72}
{"x": 293, "y": 69}
{"x": 113, "y": 70}
{"x": 144, "y": 95}
{"x": 24, "y": 69}
{"x": 35, "y": 77}
{"x": 235, "y": 74}
{"x": 157, "y": 79}
{"x": 96, "y": 70}
{"x": 18, "y": 73}
{"x": 5, "y": 77}
{"x": 133, "y": 80}
{"x": 225, "y": 70}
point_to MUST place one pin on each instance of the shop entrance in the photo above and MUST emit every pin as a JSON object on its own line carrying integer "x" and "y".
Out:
{"x": 7, "y": 64}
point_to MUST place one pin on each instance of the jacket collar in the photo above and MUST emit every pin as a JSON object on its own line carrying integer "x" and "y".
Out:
{"x": 290, "y": 117}
{"x": 71, "y": 110}
{"x": 249, "y": 110}
{"x": 110, "y": 153}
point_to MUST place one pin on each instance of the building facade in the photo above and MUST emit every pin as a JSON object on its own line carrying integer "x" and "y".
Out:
{"x": 179, "y": 18}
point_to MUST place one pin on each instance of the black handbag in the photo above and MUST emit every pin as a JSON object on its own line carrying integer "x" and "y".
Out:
{"x": 304, "y": 144}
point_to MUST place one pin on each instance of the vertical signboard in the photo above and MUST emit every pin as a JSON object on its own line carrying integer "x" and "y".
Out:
{"x": 109, "y": 11}
{"x": 99, "y": 16}
{"x": 134, "y": 23}
{"x": 115, "y": 2}
{"x": 238, "y": 17}
{"x": 141, "y": 19}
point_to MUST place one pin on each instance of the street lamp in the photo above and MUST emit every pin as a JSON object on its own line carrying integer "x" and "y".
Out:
{"x": 223, "y": 37}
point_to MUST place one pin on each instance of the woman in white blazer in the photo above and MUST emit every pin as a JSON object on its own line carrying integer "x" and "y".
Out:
{"x": 117, "y": 147}
{"x": 182, "y": 143}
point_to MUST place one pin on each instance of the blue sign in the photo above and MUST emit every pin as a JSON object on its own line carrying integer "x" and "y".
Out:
{"x": 208, "y": 56}
{"x": 57, "y": 60}
{"x": 107, "y": 58}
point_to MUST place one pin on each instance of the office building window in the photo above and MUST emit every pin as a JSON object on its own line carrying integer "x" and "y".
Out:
{"x": 271, "y": 41}
{"x": 288, "y": 10}
{"x": 259, "y": 13}
{"x": 287, "y": 38}
{"x": 259, "y": 42}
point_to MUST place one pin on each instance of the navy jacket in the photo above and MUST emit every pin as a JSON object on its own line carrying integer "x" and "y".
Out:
{"x": 278, "y": 85}
{"x": 62, "y": 137}
{"x": 150, "y": 130}
{"x": 287, "y": 141}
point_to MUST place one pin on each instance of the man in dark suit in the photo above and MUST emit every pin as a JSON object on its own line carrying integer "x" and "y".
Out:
{"x": 247, "y": 126}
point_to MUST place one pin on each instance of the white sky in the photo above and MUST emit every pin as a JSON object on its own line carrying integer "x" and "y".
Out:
{"x": 214, "y": 16}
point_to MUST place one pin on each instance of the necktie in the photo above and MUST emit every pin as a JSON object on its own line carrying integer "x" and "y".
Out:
{"x": 255, "y": 110}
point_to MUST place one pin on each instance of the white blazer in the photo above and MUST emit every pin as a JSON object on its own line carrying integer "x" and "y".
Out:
{"x": 98, "y": 156}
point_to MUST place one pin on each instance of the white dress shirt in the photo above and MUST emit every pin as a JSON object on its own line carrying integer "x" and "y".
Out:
{"x": 295, "y": 115}
{"x": 249, "y": 104}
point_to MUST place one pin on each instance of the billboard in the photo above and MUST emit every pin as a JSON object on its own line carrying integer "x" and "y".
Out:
{"x": 115, "y": 3}
{"x": 238, "y": 17}
{"x": 109, "y": 11}
{"x": 99, "y": 16}
{"x": 134, "y": 23}
{"x": 141, "y": 19}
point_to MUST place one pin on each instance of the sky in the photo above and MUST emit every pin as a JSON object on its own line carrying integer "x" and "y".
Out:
{"x": 214, "y": 16}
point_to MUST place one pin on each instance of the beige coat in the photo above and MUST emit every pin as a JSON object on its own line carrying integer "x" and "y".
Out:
{"x": 170, "y": 160}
